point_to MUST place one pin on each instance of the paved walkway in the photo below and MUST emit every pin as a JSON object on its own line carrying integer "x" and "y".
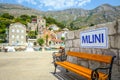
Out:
{"x": 31, "y": 66}
{"x": 26, "y": 66}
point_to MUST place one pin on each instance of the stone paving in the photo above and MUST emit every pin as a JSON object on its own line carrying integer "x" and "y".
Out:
{"x": 26, "y": 66}
{"x": 30, "y": 66}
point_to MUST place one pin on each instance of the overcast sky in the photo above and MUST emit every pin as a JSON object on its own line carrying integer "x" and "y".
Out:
{"x": 48, "y": 5}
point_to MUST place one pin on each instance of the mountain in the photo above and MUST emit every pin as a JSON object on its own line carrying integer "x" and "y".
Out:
{"x": 17, "y": 10}
{"x": 81, "y": 17}
{"x": 70, "y": 17}
{"x": 101, "y": 14}
{"x": 67, "y": 16}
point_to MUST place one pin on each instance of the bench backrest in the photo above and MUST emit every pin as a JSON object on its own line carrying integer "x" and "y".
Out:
{"x": 95, "y": 57}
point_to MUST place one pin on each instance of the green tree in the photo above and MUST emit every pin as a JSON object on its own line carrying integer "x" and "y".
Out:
{"x": 71, "y": 25}
{"x": 2, "y": 38}
{"x": 40, "y": 41}
{"x": 32, "y": 34}
{"x": 92, "y": 24}
{"x": 25, "y": 17}
{"x": 33, "y": 16}
{"x": 50, "y": 28}
{"x": 18, "y": 19}
{"x": 63, "y": 38}
{"x": 7, "y": 15}
{"x": 50, "y": 20}
{"x": 47, "y": 39}
{"x": 60, "y": 25}
{"x": 4, "y": 23}
{"x": 36, "y": 32}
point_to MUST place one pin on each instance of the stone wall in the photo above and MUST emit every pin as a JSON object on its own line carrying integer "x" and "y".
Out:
{"x": 72, "y": 43}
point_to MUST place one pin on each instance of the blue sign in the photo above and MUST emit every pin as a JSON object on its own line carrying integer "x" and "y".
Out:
{"x": 97, "y": 38}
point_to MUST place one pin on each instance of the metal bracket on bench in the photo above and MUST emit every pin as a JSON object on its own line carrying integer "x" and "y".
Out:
{"x": 94, "y": 75}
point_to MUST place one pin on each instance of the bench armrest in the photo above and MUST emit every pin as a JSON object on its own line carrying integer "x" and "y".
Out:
{"x": 58, "y": 56}
{"x": 95, "y": 75}
{"x": 102, "y": 68}
{"x": 54, "y": 53}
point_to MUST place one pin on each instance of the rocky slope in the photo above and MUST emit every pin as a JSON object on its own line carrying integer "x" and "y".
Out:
{"x": 76, "y": 17}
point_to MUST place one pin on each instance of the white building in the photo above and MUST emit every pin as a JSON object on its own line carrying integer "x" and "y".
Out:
{"x": 54, "y": 27}
{"x": 17, "y": 34}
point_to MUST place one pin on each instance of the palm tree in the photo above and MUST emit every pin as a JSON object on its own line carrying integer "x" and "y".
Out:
{"x": 46, "y": 39}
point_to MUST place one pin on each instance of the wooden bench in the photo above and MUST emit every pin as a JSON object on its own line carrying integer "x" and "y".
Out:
{"x": 89, "y": 74}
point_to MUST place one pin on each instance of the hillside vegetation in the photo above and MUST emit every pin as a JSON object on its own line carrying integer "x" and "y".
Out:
{"x": 71, "y": 18}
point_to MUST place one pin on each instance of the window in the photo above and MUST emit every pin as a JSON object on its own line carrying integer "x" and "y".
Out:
{"x": 17, "y": 37}
{"x": 42, "y": 25}
{"x": 15, "y": 25}
{"x": 21, "y": 42}
{"x": 19, "y": 25}
{"x": 17, "y": 31}
{"x": 12, "y": 42}
{"x": 22, "y": 31}
{"x": 13, "y": 30}
{"x": 13, "y": 36}
{"x": 22, "y": 37}
{"x": 29, "y": 28}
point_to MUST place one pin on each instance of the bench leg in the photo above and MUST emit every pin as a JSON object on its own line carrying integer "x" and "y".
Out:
{"x": 55, "y": 68}
{"x": 67, "y": 70}
{"x": 54, "y": 59}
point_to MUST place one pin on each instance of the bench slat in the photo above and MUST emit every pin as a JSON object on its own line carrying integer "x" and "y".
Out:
{"x": 79, "y": 69}
{"x": 72, "y": 69}
{"x": 84, "y": 69}
{"x": 95, "y": 57}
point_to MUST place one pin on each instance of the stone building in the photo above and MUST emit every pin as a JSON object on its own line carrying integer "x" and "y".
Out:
{"x": 32, "y": 26}
{"x": 17, "y": 34}
{"x": 37, "y": 24}
{"x": 41, "y": 24}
